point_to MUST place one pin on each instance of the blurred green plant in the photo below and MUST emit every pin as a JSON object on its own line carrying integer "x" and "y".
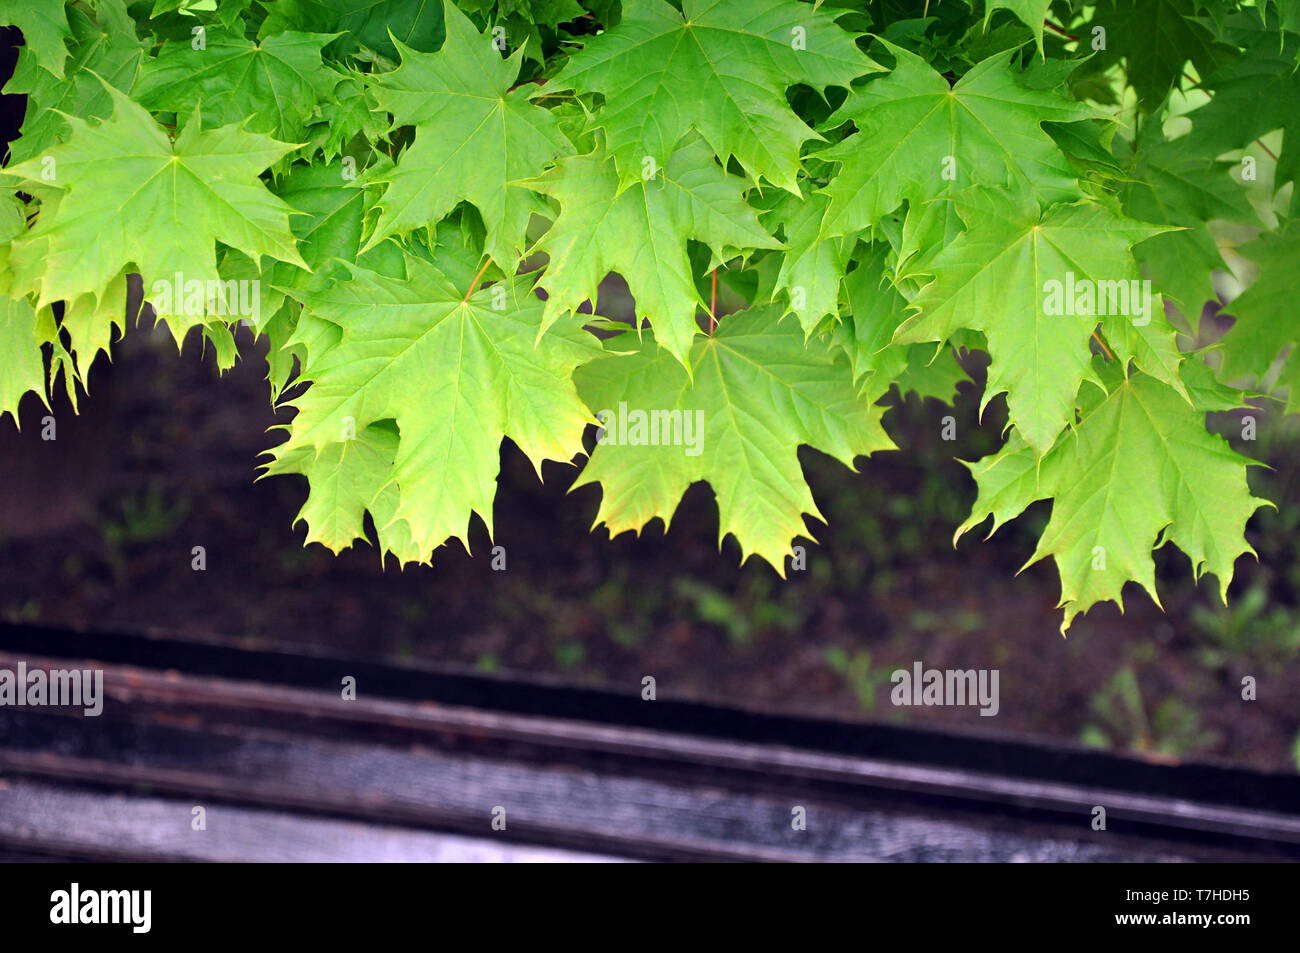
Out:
{"x": 856, "y": 670}
{"x": 569, "y": 654}
{"x": 1251, "y": 628}
{"x": 753, "y": 608}
{"x": 29, "y": 611}
{"x": 140, "y": 518}
{"x": 1173, "y": 728}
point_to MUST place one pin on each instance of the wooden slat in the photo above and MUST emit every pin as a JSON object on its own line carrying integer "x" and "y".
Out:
{"x": 124, "y": 827}
{"x": 985, "y": 751}
{"x": 569, "y": 784}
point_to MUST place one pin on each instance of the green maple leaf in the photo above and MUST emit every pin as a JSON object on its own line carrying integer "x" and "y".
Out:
{"x": 1140, "y": 470}
{"x": 369, "y": 23}
{"x": 1171, "y": 183}
{"x": 119, "y": 173}
{"x": 456, "y": 374}
{"x": 641, "y": 233}
{"x": 474, "y": 139}
{"x": 935, "y": 374}
{"x": 106, "y": 46}
{"x": 876, "y": 309}
{"x": 994, "y": 278}
{"x": 719, "y": 67}
{"x": 45, "y": 28}
{"x": 1254, "y": 95}
{"x": 326, "y": 218}
{"x": 13, "y": 223}
{"x": 1265, "y": 313}
{"x": 926, "y": 228}
{"x": 90, "y": 322}
{"x": 1155, "y": 39}
{"x": 919, "y": 139}
{"x": 813, "y": 266}
{"x": 527, "y": 23}
{"x": 354, "y": 114}
{"x": 1288, "y": 12}
{"x": 328, "y": 214}
{"x": 23, "y": 367}
{"x": 1031, "y": 13}
{"x": 345, "y": 481}
{"x": 758, "y": 392}
{"x": 274, "y": 84}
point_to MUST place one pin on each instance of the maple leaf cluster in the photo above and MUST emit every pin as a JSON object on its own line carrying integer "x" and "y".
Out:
{"x": 815, "y": 208}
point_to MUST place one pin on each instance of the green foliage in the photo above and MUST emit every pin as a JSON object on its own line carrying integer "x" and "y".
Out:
{"x": 499, "y": 138}
{"x": 753, "y": 392}
{"x": 857, "y": 671}
{"x": 1170, "y": 728}
{"x": 718, "y": 67}
{"x": 423, "y": 198}
{"x": 45, "y": 28}
{"x": 642, "y": 234}
{"x": 1251, "y": 628}
{"x": 456, "y": 375}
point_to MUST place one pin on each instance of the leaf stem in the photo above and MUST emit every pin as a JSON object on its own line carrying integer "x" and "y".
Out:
{"x": 1060, "y": 32}
{"x": 1110, "y": 355}
{"x": 713, "y": 304}
{"x": 477, "y": 278}
{"x": 540, "y": 81}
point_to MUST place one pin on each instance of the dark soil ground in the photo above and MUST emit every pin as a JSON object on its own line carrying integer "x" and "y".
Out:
{"x": 97, "y": 529}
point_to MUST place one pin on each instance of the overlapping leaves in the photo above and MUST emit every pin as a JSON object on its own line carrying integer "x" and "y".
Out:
{"x": 428, "y": 197}
{"x": 754, "y": 394}
{"x": 455, "y": 371}
{"x": 1138, "y": 471}
{"x": 501, "y": 138}
{"x": 718, "y": 67}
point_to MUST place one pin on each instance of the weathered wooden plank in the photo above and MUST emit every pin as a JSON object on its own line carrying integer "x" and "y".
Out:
{"x": 740, "y": 766}
{"x": 558, "y": 805}
{"x": 986, "y": 751}
{"x": 265, "y": 740}
{"x": 124, "y": 827}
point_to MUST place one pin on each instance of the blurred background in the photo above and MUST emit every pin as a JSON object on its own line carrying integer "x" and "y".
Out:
{"x": 98, "y": 525}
